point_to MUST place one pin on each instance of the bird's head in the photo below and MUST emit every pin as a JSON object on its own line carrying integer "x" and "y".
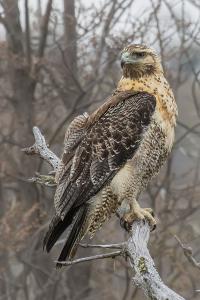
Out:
{"x": 139, "y": 60}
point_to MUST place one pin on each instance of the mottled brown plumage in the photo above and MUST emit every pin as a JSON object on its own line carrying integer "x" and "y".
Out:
{"x": 110, "y": 156}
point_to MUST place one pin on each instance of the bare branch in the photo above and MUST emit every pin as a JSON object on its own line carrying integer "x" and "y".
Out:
{"x": 102, "y": 246}
{"x": 46, "y": 180}
{"x": 188, "y": 254}
{"x": 89, "y": 258}
{"x": 109, "y": 246}
{"x": 40, "y": 147}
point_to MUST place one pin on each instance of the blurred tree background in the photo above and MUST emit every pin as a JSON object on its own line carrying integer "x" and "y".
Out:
{"x": 59, "y": 59}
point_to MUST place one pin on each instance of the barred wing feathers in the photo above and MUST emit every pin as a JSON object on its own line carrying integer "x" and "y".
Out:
{"x": 111, "y": 137}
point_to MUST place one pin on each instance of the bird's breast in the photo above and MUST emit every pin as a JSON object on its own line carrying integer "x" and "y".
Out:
{"x": 151, "y": 154}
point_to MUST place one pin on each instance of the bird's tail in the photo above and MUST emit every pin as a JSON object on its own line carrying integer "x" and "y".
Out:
{"x": 56, "y": 228}
{"x": 77, "y": 219}
{"x": 75, "y": 235}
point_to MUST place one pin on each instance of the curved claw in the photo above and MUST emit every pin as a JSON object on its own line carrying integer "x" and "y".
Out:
{"x": 153, "y": 227}
{"x": 126, "y": 225}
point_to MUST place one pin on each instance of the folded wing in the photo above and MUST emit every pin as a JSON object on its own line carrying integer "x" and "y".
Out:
{"x": 109, "y": 137}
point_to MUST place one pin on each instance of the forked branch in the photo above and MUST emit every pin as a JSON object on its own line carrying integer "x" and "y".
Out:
{"x": 40, "y": 147}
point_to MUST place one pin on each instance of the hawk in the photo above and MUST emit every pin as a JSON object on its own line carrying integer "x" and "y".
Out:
{"x": 111, "y": 155}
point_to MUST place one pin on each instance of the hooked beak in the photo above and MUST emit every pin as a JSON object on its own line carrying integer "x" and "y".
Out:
{"x": 127, "y": 58}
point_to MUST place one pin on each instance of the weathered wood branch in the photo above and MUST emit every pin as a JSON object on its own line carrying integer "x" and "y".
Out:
{"x": 40, "y": 147}
{"x": 145, "y": 274}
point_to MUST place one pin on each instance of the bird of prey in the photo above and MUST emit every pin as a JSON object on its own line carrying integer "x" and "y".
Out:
{"x": 111, "y": 155}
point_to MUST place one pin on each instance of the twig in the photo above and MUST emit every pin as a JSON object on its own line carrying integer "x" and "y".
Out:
{"x": 102, "y": 246}
{"x": 46, "y": 180}
{"x": 110, "y": 246}
{"x": 188, "y": 254}
{"x": 89, "y": 258}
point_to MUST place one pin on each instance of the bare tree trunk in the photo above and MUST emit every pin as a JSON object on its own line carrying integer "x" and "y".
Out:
{"x": 70, "y": 36}
{"x": 70, "y": 52}
{"x": 22, "y": 96}
{"x": 22, "y": 87}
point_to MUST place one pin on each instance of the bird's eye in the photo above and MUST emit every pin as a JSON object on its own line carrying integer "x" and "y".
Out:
{"x": 140, "y": 54}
